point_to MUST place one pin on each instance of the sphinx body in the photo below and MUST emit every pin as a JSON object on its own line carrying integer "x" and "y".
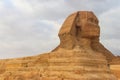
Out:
{"x": 80, "y": 55}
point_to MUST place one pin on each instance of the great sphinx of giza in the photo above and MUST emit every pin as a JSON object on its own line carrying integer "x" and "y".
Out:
{"x": 81, "y": 29}
{"x": 80, "y": 55}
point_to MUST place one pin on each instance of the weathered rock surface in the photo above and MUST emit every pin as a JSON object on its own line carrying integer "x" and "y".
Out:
{"x": 115, "y": 61}
{"x": 80, "y": 55}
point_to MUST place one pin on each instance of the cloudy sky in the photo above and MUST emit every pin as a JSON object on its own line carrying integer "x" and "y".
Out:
{"x": 30, "y": 27}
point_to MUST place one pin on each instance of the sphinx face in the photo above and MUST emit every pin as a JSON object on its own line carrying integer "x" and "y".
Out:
{"x": 88, "y": 24}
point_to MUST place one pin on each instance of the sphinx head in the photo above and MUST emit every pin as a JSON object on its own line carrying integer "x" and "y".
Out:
{"x": 82, "y": 24}
{"x": 87, "y": 25}
{"x": 81, "y": 29}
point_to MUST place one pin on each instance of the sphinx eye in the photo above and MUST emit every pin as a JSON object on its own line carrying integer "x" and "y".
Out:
{"x": 90, "y": 19}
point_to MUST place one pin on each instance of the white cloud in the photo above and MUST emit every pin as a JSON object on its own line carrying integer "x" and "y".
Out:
{"x": 29, "y": 27}
{"x": 109, "y": 22}
{"x": 1, "y": 5}
{"x": 110, "y": 29}
{"x": 23, "y": 5}
{"x": 113, "y": 45}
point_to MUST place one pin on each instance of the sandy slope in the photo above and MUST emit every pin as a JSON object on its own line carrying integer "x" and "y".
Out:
{"x": 116, "y": 70}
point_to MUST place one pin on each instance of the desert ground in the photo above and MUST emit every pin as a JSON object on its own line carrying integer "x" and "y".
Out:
{"x": 116, "y": 70}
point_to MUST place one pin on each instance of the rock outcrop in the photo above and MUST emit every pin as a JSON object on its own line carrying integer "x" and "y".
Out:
{"x": 80, "y": 55}
{"x": 115, "y": 61}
